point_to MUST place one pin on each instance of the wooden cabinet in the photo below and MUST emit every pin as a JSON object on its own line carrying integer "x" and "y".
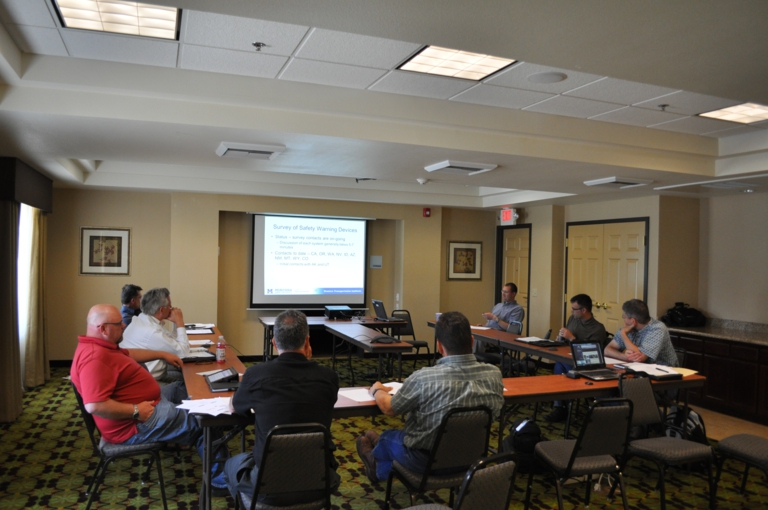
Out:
{"x": 737, "y": 375}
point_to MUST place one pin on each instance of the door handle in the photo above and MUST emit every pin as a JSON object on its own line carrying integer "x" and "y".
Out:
{"x": 598, "y": 304}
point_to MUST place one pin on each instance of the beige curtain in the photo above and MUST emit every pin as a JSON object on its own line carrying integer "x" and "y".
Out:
{"x": 36, "y": 368}
{"x": 10, "y": 368}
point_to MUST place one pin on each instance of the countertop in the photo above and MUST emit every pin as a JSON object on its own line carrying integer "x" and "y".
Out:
{"x": 736, "y": 331}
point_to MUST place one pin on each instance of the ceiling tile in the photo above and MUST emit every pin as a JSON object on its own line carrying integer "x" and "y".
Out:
{"x": 694, "y": 125}
{"x": 611, "y": 90}
{"x": 359, "y": 50}
{"x": 636, "y": 116}
{"x": 572, "y": 107}
{"x": 326, "y": 73}
{"x": 688, "y": 103}
{"x": 38, "y": 40}
{"x": 27, "y": 12}
{"x": 120, "y": 48}
{"x": 517, "y": 77}
{"x": 235, "y": 33}
{"x": 219, "y": 60}
{"x": 424, "y": 85}
{"x": 500, "y": 96}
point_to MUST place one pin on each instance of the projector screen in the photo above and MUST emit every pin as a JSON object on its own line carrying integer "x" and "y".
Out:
{"x": 307, "y": 262}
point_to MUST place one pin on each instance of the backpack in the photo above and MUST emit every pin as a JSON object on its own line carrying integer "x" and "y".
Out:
{"x": 694, "y": 425}
{"x": 682, "y": 315}
{"x": 523, "y": 436}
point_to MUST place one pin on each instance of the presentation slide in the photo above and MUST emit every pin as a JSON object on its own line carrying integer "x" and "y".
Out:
{"x": 308, "y": 262}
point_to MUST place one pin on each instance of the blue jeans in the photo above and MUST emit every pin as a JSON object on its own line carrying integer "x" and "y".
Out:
{"x": 170, "y": 425}
{"x": 560, "y": 368}
{"x": 390, "y": 447}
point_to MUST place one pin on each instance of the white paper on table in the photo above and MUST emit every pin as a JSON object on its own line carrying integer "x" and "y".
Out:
{"x": 613, "y": 361}
{"x": 199, "y": 331}
{"x": 200, "y": 342}
{"x": 481, "y": 328}
{"x": 210, "y": 372}
{"x": 528, "y": 339}
{"x": 362, "y": 395}
{"x": 201, "y": 325}
{"x": 212, "y": 406}
{"x": 204, "y": 354}
{"x": 650, "y": 368}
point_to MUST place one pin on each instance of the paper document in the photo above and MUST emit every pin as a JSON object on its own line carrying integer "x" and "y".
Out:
{"x": 199, "y": 325}
{"x": 200, "y": 331}
{"x": 362, "y": 395}
{"x": 528, "y": 339}
{"x": 685, "y": 371}
{"x": 613, "y": 361}
{"x": 212, "y": 406}
{"x": 650, "y": 369}
{"x": 200, "y": 342}
{"x": 481, "y": 328}
{"x": 201, "y": 354}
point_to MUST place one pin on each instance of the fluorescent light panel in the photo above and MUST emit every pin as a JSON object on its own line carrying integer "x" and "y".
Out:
{"x": 746, "y": 113}
{"x": 120, "y": 17}
{"x": 455, "y": 63}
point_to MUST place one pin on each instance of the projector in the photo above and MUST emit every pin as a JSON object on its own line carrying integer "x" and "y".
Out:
{"x": 338, "y": 312}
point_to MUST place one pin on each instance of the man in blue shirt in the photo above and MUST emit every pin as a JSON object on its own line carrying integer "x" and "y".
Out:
{"x": 130, "y": 297}
{"x": 642, "y": 339}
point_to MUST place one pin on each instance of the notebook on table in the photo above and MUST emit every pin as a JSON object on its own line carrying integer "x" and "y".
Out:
{"x": 589, "y": 362}
{"x": 381, "y": 312}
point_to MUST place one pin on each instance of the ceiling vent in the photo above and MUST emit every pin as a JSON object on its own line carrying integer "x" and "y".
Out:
{"x": 244, "y": 150}
{"x": 459, "y": 167}
{"x": 618, "y": 182}
{"x": 730, "y": 185}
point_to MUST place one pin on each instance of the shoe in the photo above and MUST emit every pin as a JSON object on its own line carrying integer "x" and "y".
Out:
{"x": 559, "y": 413}
{"x": 365, "y": 452}
{"x": 373, "y": 437}
{"x": 219, "y": 481}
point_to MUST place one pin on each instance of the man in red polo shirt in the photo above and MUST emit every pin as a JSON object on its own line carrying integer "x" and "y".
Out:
{"x": 125, "y": 400}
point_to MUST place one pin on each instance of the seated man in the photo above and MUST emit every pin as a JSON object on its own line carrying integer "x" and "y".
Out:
{"x": 286, "y": 390}
{"x": 125, "y": 400}
{"x": 642, "y": 339}
{"x": 457, "y": 380}
{"x": 582, "y": 327}
{"x": 503, "y": 313}
{"x": 130, "y": 297}
{"x": 147, "y": 332}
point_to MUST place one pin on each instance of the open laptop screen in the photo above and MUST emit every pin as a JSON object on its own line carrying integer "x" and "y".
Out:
{"x": 589, "y": 355}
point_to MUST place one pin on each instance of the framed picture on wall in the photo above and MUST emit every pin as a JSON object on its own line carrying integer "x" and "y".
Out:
{"x": 465, "y": 260}
{"x": 105, "y": 251}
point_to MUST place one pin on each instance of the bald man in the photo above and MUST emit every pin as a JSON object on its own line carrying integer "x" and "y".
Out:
{"x": 125, "y": 400}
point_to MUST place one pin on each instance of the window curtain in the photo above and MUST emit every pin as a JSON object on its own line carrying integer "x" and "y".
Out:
{"x": 36, "y": 368}
{"x": 10, "y": 367}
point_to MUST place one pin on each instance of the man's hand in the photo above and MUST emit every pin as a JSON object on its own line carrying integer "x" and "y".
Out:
{"x": 146, "y": 409}
{"x": 172, "y": 359}
{"x": 635, "y": 356}
{"x": 628, "y": 329}
{"x": 383, "y": 398}
{"x": 176, "y": 317}
{"x": 489, "y": 316}
{"x": 564, "y": 333}
{"x": 378, "y": 386}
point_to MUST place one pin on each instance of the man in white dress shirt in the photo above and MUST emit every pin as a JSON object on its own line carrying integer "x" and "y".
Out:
{"x": 148, "y": 332}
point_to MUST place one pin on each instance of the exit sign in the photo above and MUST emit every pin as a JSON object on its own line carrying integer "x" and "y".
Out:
{"x": 508, "y": 217}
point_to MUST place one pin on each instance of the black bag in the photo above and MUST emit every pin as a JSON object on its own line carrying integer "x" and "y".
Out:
{"x": 694, "y": 425}
{"x": 523, "y": 436}
{"x": 682, "y": 315}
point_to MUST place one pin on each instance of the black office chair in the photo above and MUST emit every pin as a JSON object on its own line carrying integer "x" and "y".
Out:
{"x": 109, "y": 452}
{"x": 296, "y": 459}
{"x": 747, "y": 448}
{"x": 600, "y": 448}
{"x": 407, "y": 330}
{"x": 663, "y": 451}
{"x": 488, "y": 484}
{"x": 461, "y": 440}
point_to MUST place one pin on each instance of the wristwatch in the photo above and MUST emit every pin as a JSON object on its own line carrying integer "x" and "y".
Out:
{"x": 135, "y": 412}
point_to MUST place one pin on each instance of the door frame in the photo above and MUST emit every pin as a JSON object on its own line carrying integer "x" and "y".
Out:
{"x": 499, "y": 263}
{"x": 644, "y": 219}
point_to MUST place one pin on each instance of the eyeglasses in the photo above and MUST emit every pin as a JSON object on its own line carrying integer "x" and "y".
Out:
{"x": 577, "y": 309}
{"x": 111, "y": 323}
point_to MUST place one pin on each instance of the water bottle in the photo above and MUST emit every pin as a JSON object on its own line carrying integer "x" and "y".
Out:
{"x": 221, "y": 353}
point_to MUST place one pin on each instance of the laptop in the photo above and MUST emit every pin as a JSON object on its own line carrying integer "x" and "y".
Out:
{"x": 589, "y": 362}
{"x": 381, "y": 312}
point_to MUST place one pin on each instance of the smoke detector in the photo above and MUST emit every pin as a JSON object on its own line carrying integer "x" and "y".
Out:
{"x": 250, "y": 151}
{"x": 459, "y": 167}
{"x": 618, "y": 182}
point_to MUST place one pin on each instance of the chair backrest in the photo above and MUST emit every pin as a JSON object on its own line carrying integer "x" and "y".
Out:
{"x": 605, "y": 430}
{"x": 90, "y": 423}
{"x": 408, "y": 328}
{"x": 682, "y": 356}
{"x": 639, "y": 391}
{"x": 515, "y": 327}
{"x": 548, "y": 334}
{"x": 296, "y": 458}
{"x": 489, "y": 484}
{"x": 461, "y": 439}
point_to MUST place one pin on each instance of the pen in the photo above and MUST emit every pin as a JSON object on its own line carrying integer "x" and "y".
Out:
{"x": 662, "y": 370}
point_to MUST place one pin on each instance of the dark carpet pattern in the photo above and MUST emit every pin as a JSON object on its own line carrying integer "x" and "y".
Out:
{"x": 46, "y": 462}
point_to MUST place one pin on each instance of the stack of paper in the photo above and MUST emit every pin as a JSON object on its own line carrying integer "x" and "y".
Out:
{"x": 362, "y": 395}
{"x": 212, "y": 406}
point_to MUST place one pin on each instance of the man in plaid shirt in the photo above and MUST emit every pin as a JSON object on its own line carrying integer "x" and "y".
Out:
{"x": 642, "y": 339}
{"x": 457, "y": 380}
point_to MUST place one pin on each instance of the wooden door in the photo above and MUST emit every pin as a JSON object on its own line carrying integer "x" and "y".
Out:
{"x": 515, "y": 265}
{"x": 607, "y": 262}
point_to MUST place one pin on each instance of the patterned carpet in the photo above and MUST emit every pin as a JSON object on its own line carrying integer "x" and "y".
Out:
{"x": 46, "y": 462}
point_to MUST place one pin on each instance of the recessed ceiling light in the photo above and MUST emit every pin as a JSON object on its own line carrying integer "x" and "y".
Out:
{"x": 116, "y": 16}
{"x": 547, "y": 77}
{"x": 746, "y": 113}
{"x": 454, "y": 63}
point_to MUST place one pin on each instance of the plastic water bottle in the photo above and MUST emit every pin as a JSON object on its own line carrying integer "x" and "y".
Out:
{"x": 221, "y": 353}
